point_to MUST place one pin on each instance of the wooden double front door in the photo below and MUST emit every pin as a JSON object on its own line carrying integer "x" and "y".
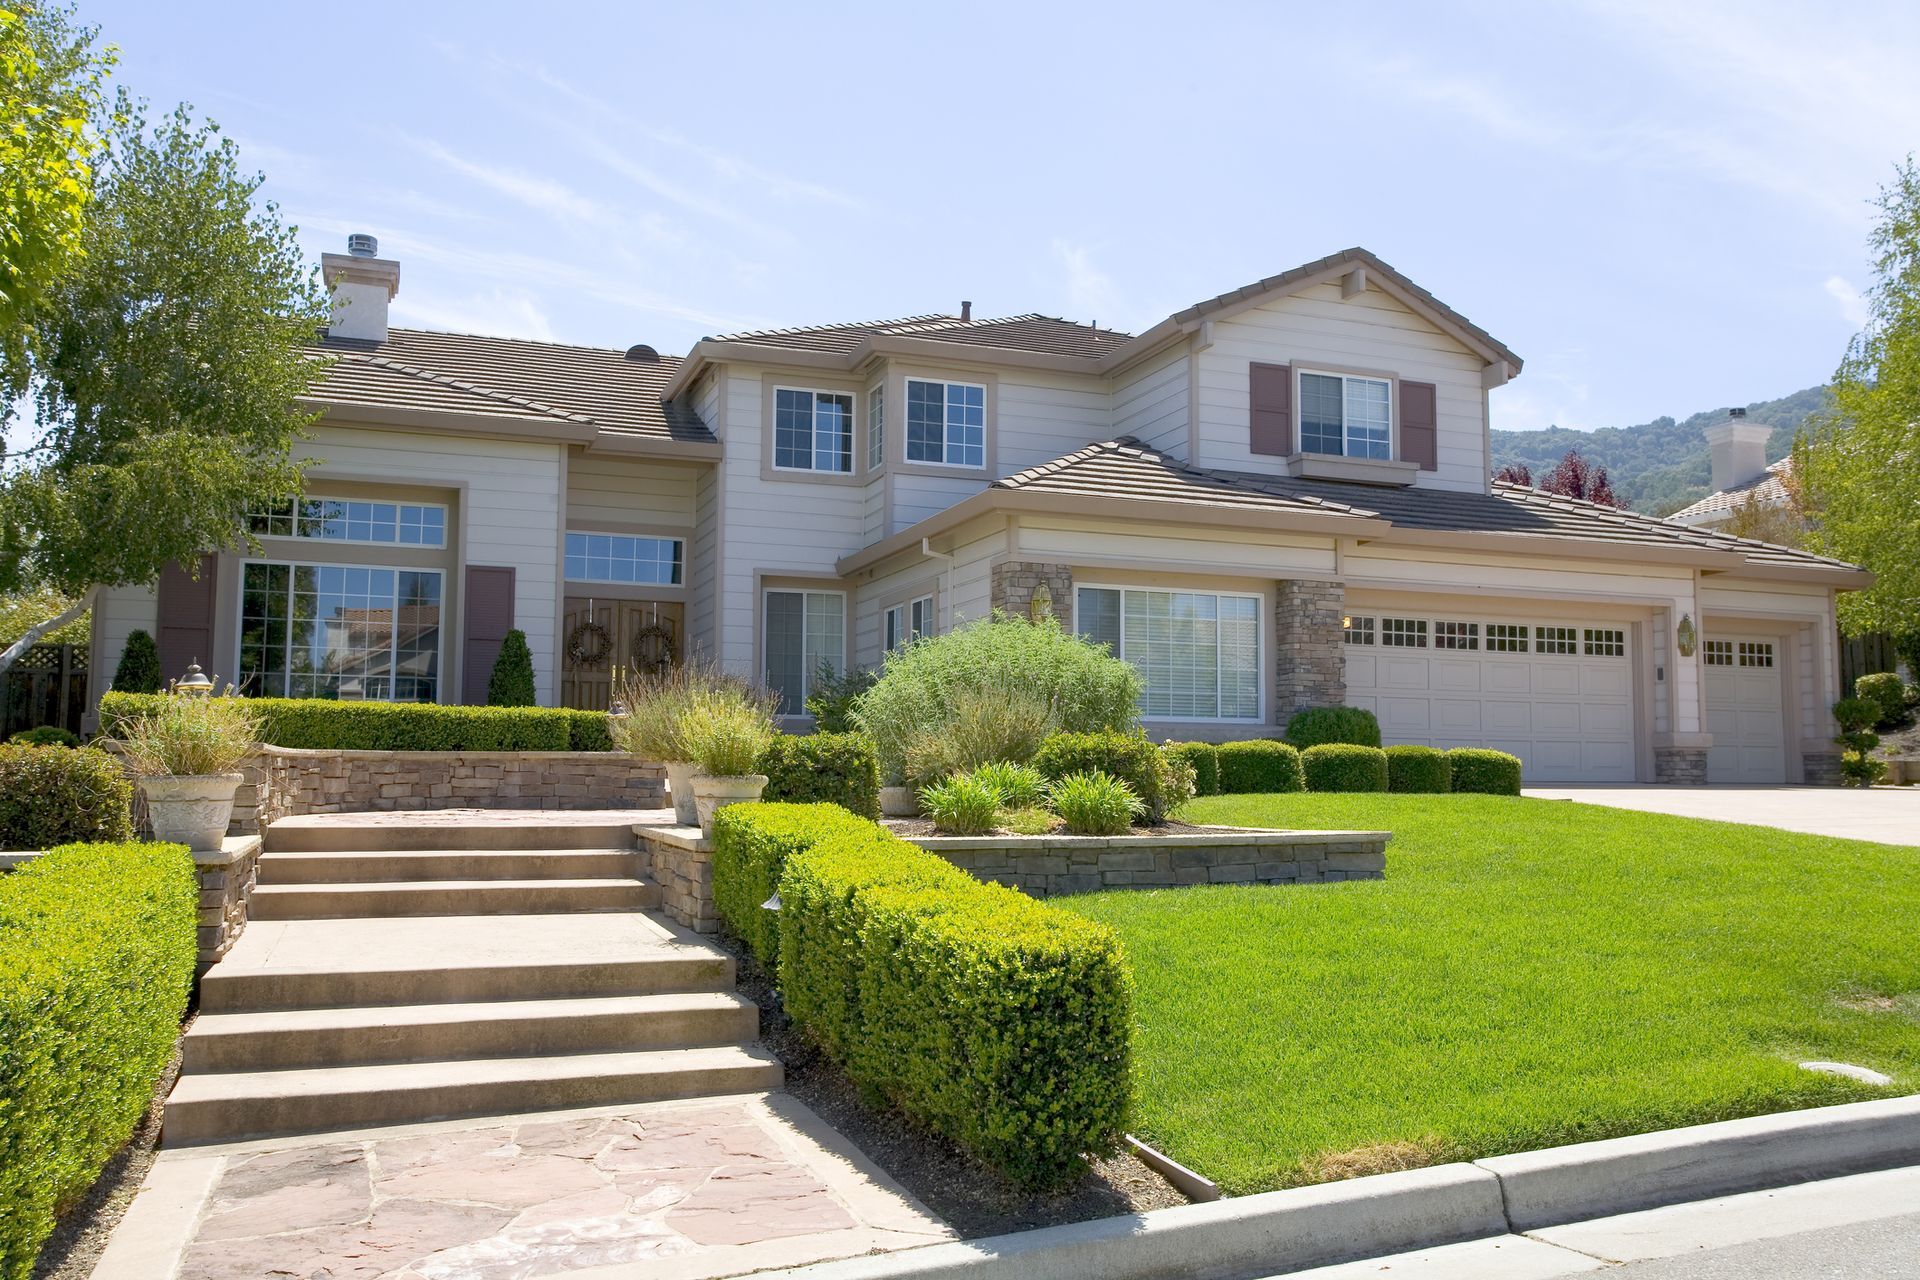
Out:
{"x": 602, "y": 638}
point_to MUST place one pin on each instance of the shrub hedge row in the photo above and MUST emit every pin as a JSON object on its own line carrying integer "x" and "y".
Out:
{"x": 1204, "y": 759}
{"x": 1123, "y": 756}
{"x": 1493, "y": 773}
{"x": 58, "y": 795}
{"x": 99, "y": 947}
{"x": 999, "y": 1021}
{"x": 323, "y": 725}
{"x": 1317, "y": 725}
{"x": 823, "y": 768}
{"x": 1259, "y": 765}
{"x": 1342, "y": 766}
{"x": 1418, "y": 770}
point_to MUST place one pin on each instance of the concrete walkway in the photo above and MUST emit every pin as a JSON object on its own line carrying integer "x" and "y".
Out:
{"x": 1890, "y": 815}
{"x": 668, "y": 1191}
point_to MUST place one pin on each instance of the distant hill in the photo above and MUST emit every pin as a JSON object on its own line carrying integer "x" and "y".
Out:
{"x": 1659, "y": 466}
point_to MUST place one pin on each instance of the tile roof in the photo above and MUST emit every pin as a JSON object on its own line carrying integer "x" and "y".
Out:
{"x": 509, "y": 378}
{"x": 1048, "y": 335}
{"x": 1126, "y": 469}
{"x": 1768, "y": 489}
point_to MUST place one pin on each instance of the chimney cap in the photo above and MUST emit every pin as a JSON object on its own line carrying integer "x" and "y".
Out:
{"x": 1736, "y": 413}
{"x": 362, "y": 245}
{"x": 643, "y": 353}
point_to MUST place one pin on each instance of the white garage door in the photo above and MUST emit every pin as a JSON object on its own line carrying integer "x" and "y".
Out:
{"x": 1745, "y": 713}
{"x": 1559, "y": 695}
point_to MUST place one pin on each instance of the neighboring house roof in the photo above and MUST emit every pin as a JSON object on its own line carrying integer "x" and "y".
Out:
{"x": 597, "y": 390}
{"x": 1768, "y": 489}
{"x": 1123, "y": 471}
{"x": 1046, "y": 335}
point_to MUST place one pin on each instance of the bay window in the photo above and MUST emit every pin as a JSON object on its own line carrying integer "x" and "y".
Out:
{"x": 1199, "y": 652}
{"x": 800, "y": 631}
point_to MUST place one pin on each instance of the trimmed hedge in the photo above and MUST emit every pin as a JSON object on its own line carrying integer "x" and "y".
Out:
{"x": 751, "y": 845}
{"x": 99, "y": 947}
{"x": 46, "y": 735}
{"x": 1317, "y": 725}
{"x": 588, "y": 731}
{"x": 320, "y": 724}
{"x": 1125, "y": 757}
{"x": 1422, "y": 770}
{"x": 61, "y": 795}
{"x": 823, "y": 768}
{"x": 1342, "y": 766}
{"x": 1484, "y": 772}
{"x": 1204, "y": 758}
{"x": 1259, "y": 766}
{"x": 999, "y": 1021}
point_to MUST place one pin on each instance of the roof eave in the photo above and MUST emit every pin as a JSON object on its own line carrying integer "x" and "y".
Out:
{"x": 537, "y": 427}
{"x": 632, "y": 444}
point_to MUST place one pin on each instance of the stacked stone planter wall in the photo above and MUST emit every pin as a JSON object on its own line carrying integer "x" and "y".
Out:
{"x": 227, "y": 878}
{"x": 1045, "y": 866}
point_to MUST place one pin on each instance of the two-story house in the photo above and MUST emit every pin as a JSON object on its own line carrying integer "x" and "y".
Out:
{"x": 1277, "y": 498}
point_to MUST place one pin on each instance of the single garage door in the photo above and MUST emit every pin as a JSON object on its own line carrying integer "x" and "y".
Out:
{"x": 1558, "y": 695}
{"x": 1745, "y": 711}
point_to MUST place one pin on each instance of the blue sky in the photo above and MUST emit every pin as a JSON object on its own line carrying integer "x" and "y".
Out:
{"x": 1662, "y": 206}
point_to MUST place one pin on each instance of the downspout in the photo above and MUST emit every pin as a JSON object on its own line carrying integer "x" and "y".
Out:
{"x": 946, "y": 574}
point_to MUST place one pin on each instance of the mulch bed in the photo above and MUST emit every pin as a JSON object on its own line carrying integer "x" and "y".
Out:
{"x": 973, "y": 1199}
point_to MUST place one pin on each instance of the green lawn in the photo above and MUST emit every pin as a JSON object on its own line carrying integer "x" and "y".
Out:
{"x": 1529, "y": 973}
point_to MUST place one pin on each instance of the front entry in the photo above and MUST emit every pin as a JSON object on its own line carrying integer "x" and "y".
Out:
{"x": 599, "y": 638}
{"x": 1746, "y": 713}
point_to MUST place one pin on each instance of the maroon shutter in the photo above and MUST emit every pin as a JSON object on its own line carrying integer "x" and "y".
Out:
{"x": 1270, "y": 397}
{"x": 1419, "y": 425}
{"x": 185, "y": 631}
{"x": 489, "y": 614}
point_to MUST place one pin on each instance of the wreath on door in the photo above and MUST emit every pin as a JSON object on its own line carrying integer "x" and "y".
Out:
{"x": 588, "y": 645}
{"x": 653, "y": 649}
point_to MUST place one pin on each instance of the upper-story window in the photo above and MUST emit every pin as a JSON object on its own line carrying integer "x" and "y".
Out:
{"x": 946, "y": 423}
{"x": 876, "y": 427}
{"x": 812, "y": 430}
{"x": 407, "y": 524}
{"x": 1346, "y": 416}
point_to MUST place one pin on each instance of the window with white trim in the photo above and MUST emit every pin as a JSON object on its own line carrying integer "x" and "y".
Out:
{"x": 1756, "y": 653}
{"x": 1199, "y": 652}
{"x": 812, "y": 430}
{"x": 876, "y": 426}
{"x": 1404, "y": 633}
{"x": 1503, "y": 637}
{"x": 1456, "y": 635}
{"x": 402, "y": 524}
{"x": 351, "y": 632}
{"x": 1717, "y": 653}
{"x": 1606, "y": 643}
{"x": 1346, "y": 416}
{"x": 946, "y": 423}
{"x": 619, "y": 557}
{"x": 1358, "y": 630}
{"x": 905, "y": 623}
{"x": 1554, "y": 640}
{"x": 801, "y": 630}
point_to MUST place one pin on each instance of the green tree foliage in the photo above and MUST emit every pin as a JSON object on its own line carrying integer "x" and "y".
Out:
{"x": 511, "y": 684}
{"x": 139, "y": 669}
{"x": 167, "y": 365}
{"x": 52, "y": 82}
{"x": 19, "y": 613}
{"x": 1860, "y": 464}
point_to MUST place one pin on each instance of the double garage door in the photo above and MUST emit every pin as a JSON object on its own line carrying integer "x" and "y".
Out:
{"x": 1559, "y": 695}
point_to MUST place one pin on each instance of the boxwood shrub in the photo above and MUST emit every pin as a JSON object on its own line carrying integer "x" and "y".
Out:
{"x": 1887, "y": 692}
{"x": 829, "y": 768}
{"x": 588, "y": 731}
{"x": 1475, "y": 769}
{"x": 996, "y": 1020}
{"x": 1342, "y": 766}
{"x": 751, "y": 844}
{"x": 324, "y": 725}
{"x": 1204, "y": 759}
{"x": 58, "y": 795}
{"x": 99, "y": 947}
{"x": 1259, "y": 766}
{"x": 1316, "y": 725}
{"x": 1125, "y": 756}
{"x": 1418, "y": 769}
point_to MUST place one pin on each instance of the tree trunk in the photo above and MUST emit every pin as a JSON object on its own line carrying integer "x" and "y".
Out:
{"x": 13, "y": 651}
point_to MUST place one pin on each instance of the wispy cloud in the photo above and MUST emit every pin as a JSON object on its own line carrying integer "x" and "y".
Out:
{"x": 545, "y": 195}
{"x": 502, "y": 312}
{"x": 1852, "y": 305}
{"x": 1478, "y": 100}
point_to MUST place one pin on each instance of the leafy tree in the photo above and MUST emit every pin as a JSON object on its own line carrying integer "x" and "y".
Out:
{"x": 1860, "y": 464}
{"x": 19, "y": 612}
{"x": 52, "y": 81}
{"x": 1572, "y": 477}
{"x": 1514, "y": 473}
{"x": 139, "y": 669}
{"x": 166, "y": 369}
{"x": 1779, "y": 523}
{"x": 511, "y": 684}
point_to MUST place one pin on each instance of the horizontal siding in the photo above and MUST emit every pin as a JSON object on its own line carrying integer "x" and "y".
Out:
{"x": 916, "y": 497}
{"x": 1042, "y": 418}
{"x": 1237, "y": 552}
{"x": 118, "y": 612}
{"x": 971, "y": 579}
{"x": 632, "y": 491}
{"x": 1372, "y": 331}
{"x": 907, "y": 580}
{"x": 702, "y": 612}
{"x": 1150, "y": 403}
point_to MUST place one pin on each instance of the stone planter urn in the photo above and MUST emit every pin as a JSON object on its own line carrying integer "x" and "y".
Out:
{"x": 193, "y": 810}
{"x": 711, "y": 794}
{"x": 899, "y": 802}
{"x": 680, "y": 791}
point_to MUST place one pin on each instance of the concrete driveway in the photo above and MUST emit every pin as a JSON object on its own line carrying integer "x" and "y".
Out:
{"x": 1890, "y": 815}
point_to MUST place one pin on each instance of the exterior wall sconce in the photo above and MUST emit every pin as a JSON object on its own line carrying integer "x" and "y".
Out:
{"x": 1684, "y": 635}
{"x": 1041, "y": 605}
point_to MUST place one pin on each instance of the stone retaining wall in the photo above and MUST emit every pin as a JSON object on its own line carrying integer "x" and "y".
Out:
{"x": 1045, "y": 866}
{"x": 226, "y": 884}
{"x": 680, "y": 861}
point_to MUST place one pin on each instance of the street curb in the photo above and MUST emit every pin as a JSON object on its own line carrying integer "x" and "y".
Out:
{"x": 1393, "y": 1212}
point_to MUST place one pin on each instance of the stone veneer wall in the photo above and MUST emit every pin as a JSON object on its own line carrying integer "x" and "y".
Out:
{"x": 680, "y": 861}
{"x": 1685, "y": 766}
{"x": 1821, "y": 768}
{"x": 1309, "y": 646}
{"x": 1046, "y": 866}
{"x": 281, "y": 782}
{"x": 1014, "y": 582}
{"x": 226, "y": 884}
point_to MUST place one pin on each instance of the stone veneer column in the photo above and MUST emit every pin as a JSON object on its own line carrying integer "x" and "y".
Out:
{"x": 1821, "y": 768}
{"x": 1309, "y": 646}
{"x": 1683, "y": 766}
{"x": 1014, "y": 583}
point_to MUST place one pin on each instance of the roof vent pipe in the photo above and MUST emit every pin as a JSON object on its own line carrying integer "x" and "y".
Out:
{"x": 966, "y": 313}
{"x": 362, "y": 245}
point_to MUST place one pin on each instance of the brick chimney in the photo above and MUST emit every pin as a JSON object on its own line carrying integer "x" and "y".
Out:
{"x": 1738, "y": 449}
{"x": 363, "y": 283}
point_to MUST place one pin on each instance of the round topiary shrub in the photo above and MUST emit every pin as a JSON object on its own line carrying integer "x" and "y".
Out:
{"x": 511, "y": 682}
{"x": 1204, "y": 759}
{"x": 1887, "y": 691}
{"x": 1259, "y": 766}
{"x": 1316, "y": 725}
{"x": 1484, "y": 772}
{"x": 1342, "y": 766}
{"x": 1418, "y": 770}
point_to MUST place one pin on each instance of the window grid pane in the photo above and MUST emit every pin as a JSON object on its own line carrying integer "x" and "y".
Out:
{"x": 615, "y": 557}
{"x": 1322, "y": 428}
{"x": 1358, "y": 630}
{"x": 1197, "y": 653}
{"x": 1506, "y": 638}
{"x": 340, "y": 631}
{"x": 1756, "y": 653}
{"x": 876, "y": 427}
{"x": 926, "y": 421}
{"x": 1456, "y": 635}
{"x": 348, "y": 520}
{"x": 1717, "y": 653}
{"x": 1605, "y": 643}
{"x": 1405, "y": 633}
{"x": 1369, "y": 421}
{"x": 1554, "y": 640}
{"x": 833, "y": 433}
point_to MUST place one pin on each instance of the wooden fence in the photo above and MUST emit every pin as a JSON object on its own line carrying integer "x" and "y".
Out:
{"x": 46, "y": 685}
{"x": 1864, "y": 656}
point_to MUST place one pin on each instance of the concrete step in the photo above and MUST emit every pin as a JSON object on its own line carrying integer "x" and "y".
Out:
{"x": 219, "y": 1106}
{"x": 503, "y": 1028}
{"x": 370, "y": 866}
{"x": 266, "y": 989}
{"x": 451, "y": 898}
{"x": 327, "y": 833}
